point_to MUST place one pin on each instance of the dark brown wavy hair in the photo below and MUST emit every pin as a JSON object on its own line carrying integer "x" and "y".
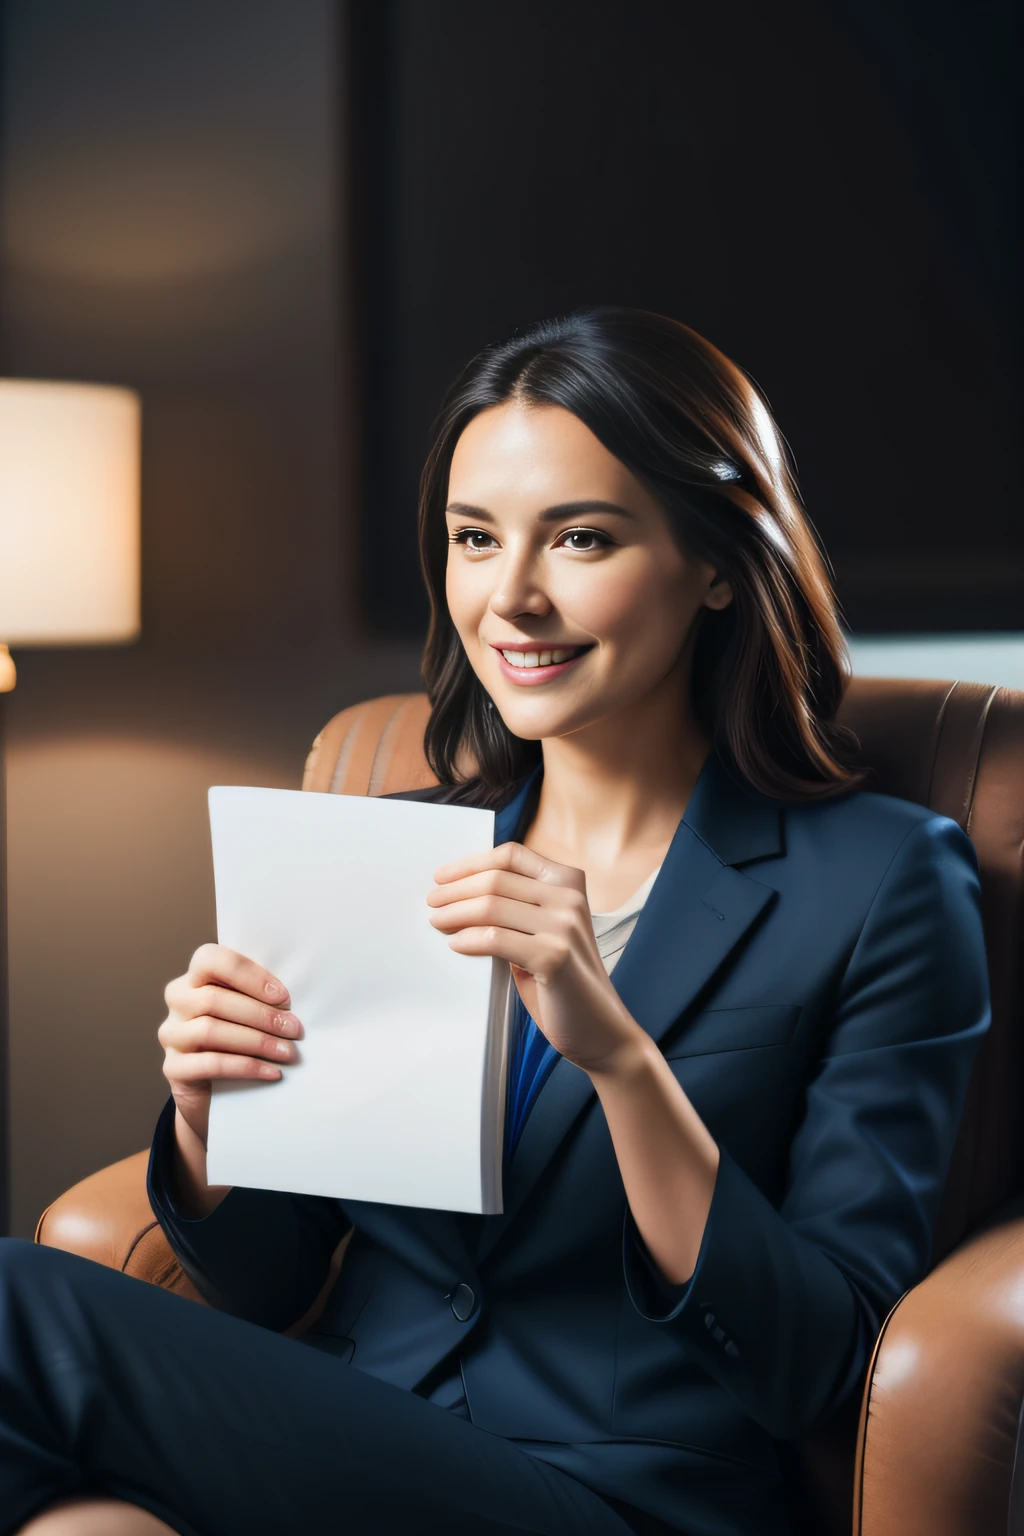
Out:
{"x": 769, "y": 670}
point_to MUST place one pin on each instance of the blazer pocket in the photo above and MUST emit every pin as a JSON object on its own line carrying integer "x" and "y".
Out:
{"x": 736, "y": 1029}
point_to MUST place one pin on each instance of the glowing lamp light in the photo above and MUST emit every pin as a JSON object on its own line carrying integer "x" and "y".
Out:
{"x": 69, "y": 516}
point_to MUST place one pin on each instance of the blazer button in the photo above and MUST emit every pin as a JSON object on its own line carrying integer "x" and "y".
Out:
{"x": 463, "y": 1301}
{"x": 731, "y": 1350}
{"x": 709, "y": 1320}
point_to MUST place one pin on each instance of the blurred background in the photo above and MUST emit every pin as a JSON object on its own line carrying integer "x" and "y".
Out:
{"x": 287, "y": 223}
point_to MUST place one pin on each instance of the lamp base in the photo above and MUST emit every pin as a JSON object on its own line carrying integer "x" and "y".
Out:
{"x": 8, "y": 671}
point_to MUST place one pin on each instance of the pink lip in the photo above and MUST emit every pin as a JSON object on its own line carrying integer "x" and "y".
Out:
{"x": 530, "y": 677}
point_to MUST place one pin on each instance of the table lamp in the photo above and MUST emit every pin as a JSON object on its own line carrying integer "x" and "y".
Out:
{"x": 69, "y": 562}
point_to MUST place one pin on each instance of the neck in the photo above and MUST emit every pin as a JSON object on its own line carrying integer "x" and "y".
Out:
{"x": 618, "y": 789}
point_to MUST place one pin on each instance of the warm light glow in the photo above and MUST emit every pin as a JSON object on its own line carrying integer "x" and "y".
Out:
{"x": 69, "y": 513}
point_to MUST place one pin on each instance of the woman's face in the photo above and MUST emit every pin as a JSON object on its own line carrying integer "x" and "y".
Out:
{"x": 554, "y": 546}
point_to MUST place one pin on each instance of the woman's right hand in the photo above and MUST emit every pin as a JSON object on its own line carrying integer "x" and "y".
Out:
{"x": 227, "y": 1018}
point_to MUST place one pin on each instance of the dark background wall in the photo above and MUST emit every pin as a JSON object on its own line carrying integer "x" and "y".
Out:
{"x": 171, "y": 218}
{"x": 824, "y": 188}
{"x": 287, "y": 225}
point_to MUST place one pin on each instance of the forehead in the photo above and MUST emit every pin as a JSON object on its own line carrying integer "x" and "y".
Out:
{"x": 516, "y": 453}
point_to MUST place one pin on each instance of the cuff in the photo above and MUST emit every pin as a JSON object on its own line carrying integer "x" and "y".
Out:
{"x": 766, "y": 1313}
{"x": 655, "y": 1298}
{"x": 176, "y": 1227}
{"x": 161, "y": 1160}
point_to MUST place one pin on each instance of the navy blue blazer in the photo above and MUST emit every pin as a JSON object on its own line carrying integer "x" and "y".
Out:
{"x": 816, "y": 976}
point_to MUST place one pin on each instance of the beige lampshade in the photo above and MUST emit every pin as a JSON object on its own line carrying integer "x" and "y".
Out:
{"x": 69, "y": 513}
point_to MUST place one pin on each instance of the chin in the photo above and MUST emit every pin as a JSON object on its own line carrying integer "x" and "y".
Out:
{"x": 531, "y": 725}
{"x": 537, "y": 725}
{"x": 526, "y": 730}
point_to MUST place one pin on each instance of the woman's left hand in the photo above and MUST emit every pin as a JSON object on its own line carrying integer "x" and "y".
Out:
{"x": 512, "y": 903}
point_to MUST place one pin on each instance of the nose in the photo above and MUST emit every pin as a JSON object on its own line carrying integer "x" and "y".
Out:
{"x": 518, "y": 588}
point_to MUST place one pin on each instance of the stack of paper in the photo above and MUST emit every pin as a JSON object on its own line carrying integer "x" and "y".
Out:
{"x": 398, "y": 1093}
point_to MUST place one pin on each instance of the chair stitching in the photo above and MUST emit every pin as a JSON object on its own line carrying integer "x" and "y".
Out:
{"x": 936, "y": 741}
{"x": 859, "y": 1491}
{"x": 384, "y": 749}
{"x": 345, "y": 754}
{"x": 974, "y": 757}
{"x": 136, "y": 1240}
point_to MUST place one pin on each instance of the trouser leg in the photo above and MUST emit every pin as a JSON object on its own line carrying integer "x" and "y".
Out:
{"x": 111, "y": 1385}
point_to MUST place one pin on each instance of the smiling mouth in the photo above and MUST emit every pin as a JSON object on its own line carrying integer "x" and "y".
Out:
{"x": 552, "y": 657}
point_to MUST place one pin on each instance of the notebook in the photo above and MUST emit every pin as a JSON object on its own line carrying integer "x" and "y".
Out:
{"x": 398, "y": 1093}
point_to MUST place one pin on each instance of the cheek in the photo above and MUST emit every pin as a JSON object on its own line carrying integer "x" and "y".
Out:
{"x": 463, "y": 599}
{"x": 630, "y": 604}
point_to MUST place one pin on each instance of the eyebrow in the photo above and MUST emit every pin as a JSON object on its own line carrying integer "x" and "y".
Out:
{"x": 549, "y": 515}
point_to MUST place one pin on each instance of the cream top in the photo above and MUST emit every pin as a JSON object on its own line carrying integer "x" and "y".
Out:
{"x": 612, "y": 929}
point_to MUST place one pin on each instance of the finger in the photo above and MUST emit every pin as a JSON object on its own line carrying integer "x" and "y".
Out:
{"x": 499, "y": 911}
{"x": 209, "y": 1034}
{"x": 541, "y": 954}
{"x": 221, "y": 1003}
{"x": 215, "y": 962}
{"x": 517, "y": 858}
{"x": 486, "y": 911}
{"x": 501, "y": 882}
{"x": 205, "y": 1066}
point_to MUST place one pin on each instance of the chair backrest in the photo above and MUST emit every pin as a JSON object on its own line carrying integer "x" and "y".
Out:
{"x": 957, "y": 748}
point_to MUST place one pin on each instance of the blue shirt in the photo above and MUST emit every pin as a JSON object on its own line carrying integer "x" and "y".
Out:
{"x": 530, "y": 1059}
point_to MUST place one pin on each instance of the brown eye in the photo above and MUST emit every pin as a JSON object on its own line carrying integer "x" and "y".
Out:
{"x": 465, "y": 535}
{"x": 597, "y": 540}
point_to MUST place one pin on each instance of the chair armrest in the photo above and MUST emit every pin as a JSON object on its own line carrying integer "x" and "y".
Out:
{"x": 942, "y": 1406}
{"x": 108, "y": 1218}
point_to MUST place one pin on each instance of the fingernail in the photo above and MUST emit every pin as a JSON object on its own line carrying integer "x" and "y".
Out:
{"x": 266, "y": 1070}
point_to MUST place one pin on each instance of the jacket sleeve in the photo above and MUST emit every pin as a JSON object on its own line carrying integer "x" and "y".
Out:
{"x": 260, "y": 1254}
{"x": 784, "y": 1305}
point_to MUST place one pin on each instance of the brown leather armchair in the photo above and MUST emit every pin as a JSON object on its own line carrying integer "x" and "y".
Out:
{"x": 938, "y": 1449}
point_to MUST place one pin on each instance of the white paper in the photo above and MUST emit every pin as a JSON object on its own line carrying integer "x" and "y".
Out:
{"x": 398, "y": 1092}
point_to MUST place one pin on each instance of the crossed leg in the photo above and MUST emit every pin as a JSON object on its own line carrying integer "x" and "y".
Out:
{"x": 212, "y": 1425}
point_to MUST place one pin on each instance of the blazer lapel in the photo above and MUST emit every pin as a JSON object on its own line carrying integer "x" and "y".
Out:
{"x": 699, "y": 909}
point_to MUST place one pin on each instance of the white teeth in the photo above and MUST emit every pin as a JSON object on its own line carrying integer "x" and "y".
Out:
{"x": 538, "y": 658}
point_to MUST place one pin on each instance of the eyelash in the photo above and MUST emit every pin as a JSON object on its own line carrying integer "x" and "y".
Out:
{"x": 594, "y": 533}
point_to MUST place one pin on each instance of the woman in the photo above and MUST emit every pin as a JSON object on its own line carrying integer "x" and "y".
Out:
{"x": 722, "y": 1168}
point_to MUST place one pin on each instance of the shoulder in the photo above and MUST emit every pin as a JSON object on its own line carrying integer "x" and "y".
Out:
{"x": 861, "y": 812}
{"x": 872, "y": 832}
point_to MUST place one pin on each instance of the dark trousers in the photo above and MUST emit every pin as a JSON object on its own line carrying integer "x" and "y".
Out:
{"x": 109, "y": 1385}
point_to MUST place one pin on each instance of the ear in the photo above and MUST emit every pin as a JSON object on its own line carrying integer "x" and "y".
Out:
{"x": 718, "y": 594}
